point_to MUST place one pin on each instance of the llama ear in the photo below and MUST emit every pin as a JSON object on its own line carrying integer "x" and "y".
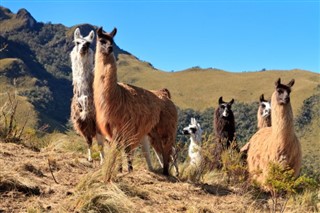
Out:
{"x": 291, "y": 83}
{"x": 231, "y": 102}
{"x": 192, "y": 121}
{"x": 99, "y": 31}
{"x": 278, "y": 82}
{"x": 220, "y": 100}
{"x": 262, "y": 98}
{"x": 198, "y": 125}
{"x": 91, "y": 36}
{"x": 114, "y": 32}
{"x": 77, "y": 34}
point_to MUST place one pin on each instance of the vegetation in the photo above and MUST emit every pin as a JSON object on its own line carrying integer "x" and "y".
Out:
{"x": 35, "y": 102}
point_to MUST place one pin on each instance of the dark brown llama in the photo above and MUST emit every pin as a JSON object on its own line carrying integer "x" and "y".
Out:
{"x": 224, "y": 124}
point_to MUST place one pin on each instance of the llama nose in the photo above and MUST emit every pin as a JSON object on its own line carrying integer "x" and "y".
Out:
{"x": 110, "y": 49}
{"x": 287, "y": 99}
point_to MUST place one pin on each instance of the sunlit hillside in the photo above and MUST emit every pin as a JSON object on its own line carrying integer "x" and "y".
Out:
{"x": 201, "y": 88}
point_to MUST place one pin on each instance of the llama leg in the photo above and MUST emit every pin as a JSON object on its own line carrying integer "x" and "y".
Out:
{"x": 174, "y": 157}
{"x": 129, "y": 153}
{"x": 100, "y": 141}
{"x": 89, "y": 142}
{"x": 160, "y": 160}
{"x": 166, "y": 159}
{"x": 146, "y": 151}
{"x": 166, "y": 154}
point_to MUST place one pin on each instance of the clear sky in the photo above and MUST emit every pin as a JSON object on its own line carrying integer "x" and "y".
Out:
{"x": 174, "y": 35}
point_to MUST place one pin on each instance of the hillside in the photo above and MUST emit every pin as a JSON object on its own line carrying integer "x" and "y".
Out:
{"x": 36, "y": 56}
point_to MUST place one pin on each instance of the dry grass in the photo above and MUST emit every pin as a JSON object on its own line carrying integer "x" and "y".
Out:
{"x": 82, "y": 186}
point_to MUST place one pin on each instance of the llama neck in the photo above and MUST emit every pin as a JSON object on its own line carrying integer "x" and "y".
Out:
{"x": 195, "y": 140}
{"x": 106, "y": 71}
{"x": 282, "y": 120}
{"x": 82, "y": 73}
{"x": 263, "y": 122}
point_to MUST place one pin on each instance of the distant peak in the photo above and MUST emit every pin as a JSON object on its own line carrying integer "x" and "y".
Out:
{"x": 23, "y": 14}
{"x": 5, "y": 13}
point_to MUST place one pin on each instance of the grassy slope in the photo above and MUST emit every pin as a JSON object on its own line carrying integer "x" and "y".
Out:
{"x": 25, "y": 110}
{"x": 200, "y": 89}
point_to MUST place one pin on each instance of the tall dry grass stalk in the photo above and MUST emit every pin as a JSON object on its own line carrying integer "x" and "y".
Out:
{"x": 113, "y": 155}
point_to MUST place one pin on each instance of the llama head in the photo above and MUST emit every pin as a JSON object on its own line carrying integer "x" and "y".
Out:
{"x": 194, "y": 130}
{"x": 105, "y": 41}
{"x": 283, "y": 92}
{"x": 82, "y": 44}
{"x": 264, "y": 107}
{"x": 225, "y": 108}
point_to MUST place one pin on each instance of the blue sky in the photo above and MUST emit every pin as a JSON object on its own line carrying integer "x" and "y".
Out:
{"x": 174, "y": 35}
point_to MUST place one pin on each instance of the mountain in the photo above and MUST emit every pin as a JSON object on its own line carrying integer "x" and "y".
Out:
{"x": 36, "y": 63}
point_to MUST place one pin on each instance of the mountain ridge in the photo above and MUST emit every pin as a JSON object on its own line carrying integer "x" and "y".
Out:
{"x": 44, "y": 49}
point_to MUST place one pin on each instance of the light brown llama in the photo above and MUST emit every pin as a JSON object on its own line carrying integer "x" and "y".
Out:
{"x": 278, "y": 143}
{"x": 264, "y": 113}
{"x": 144, "y": 112}
{"x": 82, "y": 109}
{"x": 263, "y": 118}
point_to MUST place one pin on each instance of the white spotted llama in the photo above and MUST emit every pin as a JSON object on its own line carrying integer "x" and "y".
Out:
{"x": 83, "y": 114}
{"x": 194, "y": 131}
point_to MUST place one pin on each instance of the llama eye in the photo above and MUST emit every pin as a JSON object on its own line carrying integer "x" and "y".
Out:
{"x": 279, "y": 91}
{"x": 77, "y": 43}
{"x": 263, "y": 105}
{"x": 223, "y": 107}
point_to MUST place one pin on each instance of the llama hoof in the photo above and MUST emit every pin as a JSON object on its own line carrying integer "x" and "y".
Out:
{"x": 165, "y": 172}
{"x": 130, "y": 168}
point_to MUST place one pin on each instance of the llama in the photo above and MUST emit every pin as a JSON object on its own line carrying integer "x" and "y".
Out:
{"x": 263, "y": 118}
{"x": 224, "y": 124}
{"x": 144, "y": 112}
{"x": 194, "y": 131}
{"x": 82, "y": 109}
{"x": 264, "y": 113}
{"x": 278, "y": 143}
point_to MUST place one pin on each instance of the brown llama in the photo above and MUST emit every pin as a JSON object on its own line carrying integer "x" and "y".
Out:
{"x": 278, "y": 143}
{"x": 264, "y": 113}
{"x": 82, "y": 109}
{"x": 263, "y": 118}
{"x": 224, "y": 124}
{"x": 144, "y": 112}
